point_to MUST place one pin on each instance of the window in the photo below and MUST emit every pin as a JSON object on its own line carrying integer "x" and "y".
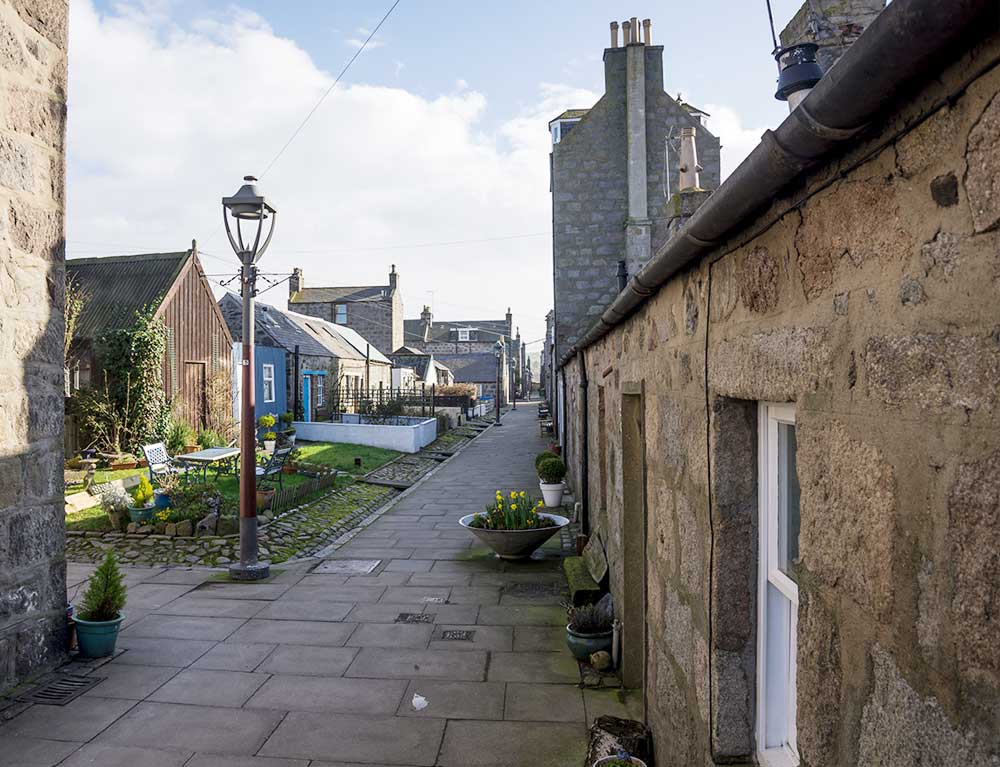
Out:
{"x": 463, "y": 334}
{"x": 268, "y": 383}
{"x": 318, "y": 381}
{"x": 777, "y": 593}
{"x": 340, "y": 314}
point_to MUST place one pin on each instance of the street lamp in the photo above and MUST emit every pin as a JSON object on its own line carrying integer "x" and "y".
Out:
{"x": 498, "y": 353}
{"x": 250, "y": 207}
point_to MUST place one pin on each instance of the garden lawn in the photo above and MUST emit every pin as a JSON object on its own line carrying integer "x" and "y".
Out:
{"x": 341, "y": 455}
{"x": 106, "y": 475}
{"x": 93, "y": 518}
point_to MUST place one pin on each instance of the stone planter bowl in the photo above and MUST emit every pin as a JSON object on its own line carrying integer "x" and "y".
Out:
{"x": 611, "y": 759}
{"x": 515, "y": 544}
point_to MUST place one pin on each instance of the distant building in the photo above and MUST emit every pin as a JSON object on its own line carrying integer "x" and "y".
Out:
{"x": 198, "y": 341}
{"x": 374, "y": 311}
{"x": 480, "y": 370}
{"x": 424, "y": 369}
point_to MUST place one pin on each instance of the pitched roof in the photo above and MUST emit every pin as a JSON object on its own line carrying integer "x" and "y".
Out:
{"x": 118, "y": 286}
{"x": 570, "y": 114}
{"x": 441, "y": 331}
{"x": 409, "y": 350}
{"x": 349, "y": 335}
{"x": 477, "y": 367}
{"x": 273, "y": 328}
{"x": 344, "y": 294}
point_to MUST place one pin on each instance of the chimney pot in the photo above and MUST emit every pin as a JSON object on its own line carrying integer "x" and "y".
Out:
{"x": 688, "y": 166}
{"x": 634, "y": 23}
{"x": 626, "y": 33}
{"x": 647, "y": 31}
{"x": 614, "y": 34}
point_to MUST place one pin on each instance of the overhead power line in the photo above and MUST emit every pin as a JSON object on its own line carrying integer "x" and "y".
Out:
{"x": 329, "y": 90}
{"x": 441, "y": 244}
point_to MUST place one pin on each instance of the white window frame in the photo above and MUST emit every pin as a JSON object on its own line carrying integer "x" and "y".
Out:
{"x": 776, "y": 707}
{"x": 463, "y": 334}
{"x": 268, "y": 378}
{"x": 319, "y": 388}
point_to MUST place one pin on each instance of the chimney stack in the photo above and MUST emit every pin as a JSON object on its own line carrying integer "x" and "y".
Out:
{"x": 393, "y": 279}
{"x": 689, "y": 167}
{"x": 296, "y": 282}
{"x": 614, "y": 34}
{"x": 647, "y": 31}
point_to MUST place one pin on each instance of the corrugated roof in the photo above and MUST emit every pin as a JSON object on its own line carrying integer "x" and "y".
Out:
{"x": 478, "y": 367}
{"x": 343, "y": 294}
{"x": 118, "y": 286}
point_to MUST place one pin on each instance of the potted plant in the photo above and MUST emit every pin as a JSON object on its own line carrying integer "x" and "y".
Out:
{"x": 551, "y": 472}
{"x": 266, "y": 422}
{"x": 115, "y": 501}
{"x": 264, "y": 497}
{"x": 590, "y": 628}
{"x": 142, "y": 508}
{"x": 161, "y": 495}
{"x": 621, "y": 759}
{"x": 100, "y": 615}
{"x": 123, "y": 461}
{"x": 513, "y": 525}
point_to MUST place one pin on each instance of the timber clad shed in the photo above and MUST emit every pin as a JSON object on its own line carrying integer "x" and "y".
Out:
{"x": 198, "y": 342}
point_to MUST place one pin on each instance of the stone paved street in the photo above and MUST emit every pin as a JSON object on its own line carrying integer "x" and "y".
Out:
{"x": 323, "y": 667}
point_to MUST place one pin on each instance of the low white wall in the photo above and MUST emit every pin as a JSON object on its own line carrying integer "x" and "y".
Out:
{"x": 407, "y": 438}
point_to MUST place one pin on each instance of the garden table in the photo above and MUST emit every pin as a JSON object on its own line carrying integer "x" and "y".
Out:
{"x": 203, "y": 459}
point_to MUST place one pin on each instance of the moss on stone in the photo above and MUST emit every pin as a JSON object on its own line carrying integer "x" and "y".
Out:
{"x": 582, "y": 587}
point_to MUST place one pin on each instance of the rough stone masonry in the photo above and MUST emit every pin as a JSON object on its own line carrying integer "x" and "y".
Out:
{"x": 32, "y": 135}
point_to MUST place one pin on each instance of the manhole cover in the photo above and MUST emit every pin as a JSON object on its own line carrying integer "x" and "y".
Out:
{"x": 347, "y": 566}
{"x": 59, "y": 689}
{"x": 435, "y": 600}
{"x": 415, "y": 618}
{"x": 533, "y": 590}
{"x": 457, "y": 635}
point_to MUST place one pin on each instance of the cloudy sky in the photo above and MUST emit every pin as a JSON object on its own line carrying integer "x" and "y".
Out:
{"x": 432, "y": 153}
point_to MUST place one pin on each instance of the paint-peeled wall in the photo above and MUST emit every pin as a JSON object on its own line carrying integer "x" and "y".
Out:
{"x": 870, "y": 301}
{"x": 32, "y": 277}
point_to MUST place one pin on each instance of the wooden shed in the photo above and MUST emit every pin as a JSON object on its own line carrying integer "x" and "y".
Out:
{"x": 198, "y": 340}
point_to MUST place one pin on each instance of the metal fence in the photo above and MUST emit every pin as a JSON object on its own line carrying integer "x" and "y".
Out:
{"x": 285, "y": 498}
{"x": 382, "y": 399}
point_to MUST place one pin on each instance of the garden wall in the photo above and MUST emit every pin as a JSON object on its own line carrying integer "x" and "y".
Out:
{"x": 406, "y": 434}
{"x": 32, "y": 254}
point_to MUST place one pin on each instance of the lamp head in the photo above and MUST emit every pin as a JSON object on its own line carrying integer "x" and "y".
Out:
{"x": 248, "y": 203}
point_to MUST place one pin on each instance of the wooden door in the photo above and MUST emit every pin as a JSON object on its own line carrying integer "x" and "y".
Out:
{"x": 195, "y": 393}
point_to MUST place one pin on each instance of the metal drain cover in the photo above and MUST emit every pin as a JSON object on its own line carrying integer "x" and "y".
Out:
{"x": 457, "y": 635}
{"x": 415, "y": 618}
{"x": 59, "y": 689}
{"x": 347, "y": 566}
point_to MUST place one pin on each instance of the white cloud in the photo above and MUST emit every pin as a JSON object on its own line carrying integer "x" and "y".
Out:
{"x": 737, "y": 141}
{"x": 357, "y": 43}
{"x": 160, "y": 131}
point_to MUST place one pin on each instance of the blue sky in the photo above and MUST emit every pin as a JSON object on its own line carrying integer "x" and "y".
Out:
{"x": 436, "y": 135}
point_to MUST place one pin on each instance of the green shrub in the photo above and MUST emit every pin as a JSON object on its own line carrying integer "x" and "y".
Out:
{"x": 266, "y": 421}
{"x": 179, "y": 435}
{"x": 195, "y": 501}
{"x": 287, "y": 418}
{"x": 143, "y": 492}
{"x": 552, "y": 472}
{"x": 269, "y": 436}
{"x": 208, "y": 438}
{"x": 105, "y": 595}
{"x": 542, "y": 457}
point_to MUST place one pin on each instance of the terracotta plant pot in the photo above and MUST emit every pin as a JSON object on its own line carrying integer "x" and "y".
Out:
{"x": 191, "y": 449}
{"x": 264, "y": 499}
{"x": 123, "y": 465}
{"x": 515, "y": 544}
{"x": 286, "y": 469}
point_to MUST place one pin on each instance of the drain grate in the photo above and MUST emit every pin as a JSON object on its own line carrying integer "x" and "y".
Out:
{"x": 415, "y": 618}
{"x": 457, "y": 635}
{"x": 59, "y": 689}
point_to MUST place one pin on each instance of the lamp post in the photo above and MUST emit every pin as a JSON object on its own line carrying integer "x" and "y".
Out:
{"x": 249, "y": 206}
{"x": 498, "y": 353}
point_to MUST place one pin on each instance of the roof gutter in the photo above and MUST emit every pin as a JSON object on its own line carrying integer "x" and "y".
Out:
{"x": 906, "y": 40}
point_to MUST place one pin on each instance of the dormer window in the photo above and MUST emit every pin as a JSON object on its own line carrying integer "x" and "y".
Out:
{"x": 463, "y": 334}
{"x": 560, "y": 128}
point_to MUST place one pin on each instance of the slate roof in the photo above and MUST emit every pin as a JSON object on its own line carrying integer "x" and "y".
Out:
{"x": 342, "y": 295}
{"x": 477, "y": 367}
{"x": 273, "y": 328}
{"x": 358, "y": 341}
{"x": 441, "y": 331}
{"x": 118, "y": 286}
{"x": 570, "y": 114}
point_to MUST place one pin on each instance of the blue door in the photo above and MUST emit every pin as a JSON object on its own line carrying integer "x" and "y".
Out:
{"x": 306, "y": 405}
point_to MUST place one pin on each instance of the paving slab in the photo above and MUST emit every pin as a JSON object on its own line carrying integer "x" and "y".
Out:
{"x": 347, "y": 566}
{"x": 414, "y": 635}
{"x": 152, "y": 596}
{"x": 439, "y": 579}
{"x": 79, "y": 720}
{"x": 497, "y": 638}
{"x": 104, "y": 755}
{"x": 544, "y": 703}
{"x": 453, "y": 613}
{"x": 329, "y": 694}
{"x": 129, "y": 682}
{"x": 189, "y": 604}
{"x": 198, "y": 728}
{"x": 388, "y": 740}
{"x": 474, "y": 595}
{"x": 535, "y": 667}
{"x": 383, "y": 612}
{"x": 410, "y": 565}
{"x": 309, "y": 659}
{"x": 317, "y": 610}
{"x": 416, "y": 594}
{"x": 141, "y": 651}
{"x": 206, "y": 687}
{"x": 234, "y": 656}
{"x": 384, "y": 663}
{"x": 183, "y": 627}
{"x": 343, "y": 593}
{"x": 539, "y": 638}
{"x": 383, "y": 578}
{"x": 453, "y": 700}
{"x": 506, "y": 744}
{"x": 373, "y": 552}
{"x": 17, "y": 751}
{"x": 522, "y": 616}
{"x": 217, "y": 760}
{"x": 624, "y": 704}
{"x": 294, "y": 632}
{"x": 182, "y": 577}
{"x": 265, "y": 591}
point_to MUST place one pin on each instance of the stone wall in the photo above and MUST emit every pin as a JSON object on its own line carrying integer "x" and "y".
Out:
{"x": 870, "y": 301}
{"x": 32, "y": 274}
{"x": 378, "y": 322}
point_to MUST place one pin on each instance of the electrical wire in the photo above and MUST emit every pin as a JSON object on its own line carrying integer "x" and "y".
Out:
{"x": 329, "y": 90}
{"x": 770, "y": 18}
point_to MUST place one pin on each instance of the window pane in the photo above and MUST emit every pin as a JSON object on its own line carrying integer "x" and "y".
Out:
{"x": 340, "y": 316}
{"x": 788, "y": 499}
{"x": 776, "y": 665}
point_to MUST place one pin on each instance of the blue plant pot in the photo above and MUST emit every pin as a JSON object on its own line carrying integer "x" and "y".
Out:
{"x": 161, "y": 500}
{"x": 96, "y": 639}
{"x": 142, "y": 514}
{"x": 584, "y": 645}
